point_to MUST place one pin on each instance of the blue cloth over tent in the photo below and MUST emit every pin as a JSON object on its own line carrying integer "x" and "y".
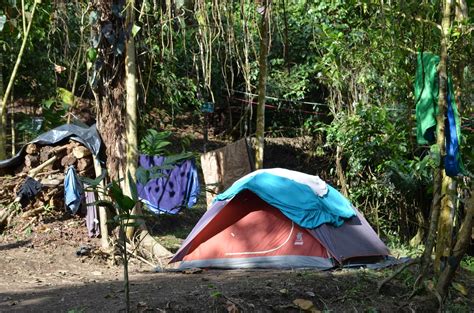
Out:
{"x": 73, "y": 190}
{"x": 295, "y": 200}
{"x": 177, "y": 188}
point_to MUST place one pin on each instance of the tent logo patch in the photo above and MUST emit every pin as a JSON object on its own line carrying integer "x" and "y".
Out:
{"x": 299, "y": 239}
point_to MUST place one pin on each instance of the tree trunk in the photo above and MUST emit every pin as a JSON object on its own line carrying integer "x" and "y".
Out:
{"x": 110, "y": 90}
{"x": 440, "y": 142}
{"x": 131, "y": 116}
{"x": 262, "y": 81}
{"x": 446, "y": 219}
{"x": 340, "y": 172}
{"x": 462, "y": 243}
{"x": 461, "y": 15}
{"x": 2, "y": 135}
{"x": 4, "y": 97}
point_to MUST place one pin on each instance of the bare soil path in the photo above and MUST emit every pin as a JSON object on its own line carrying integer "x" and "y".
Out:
{"x": 54, "y": 279}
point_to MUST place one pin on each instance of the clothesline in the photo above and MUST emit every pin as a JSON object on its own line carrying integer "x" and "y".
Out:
{"x": 276, "y": 107}
{"x": 278, "y": 99}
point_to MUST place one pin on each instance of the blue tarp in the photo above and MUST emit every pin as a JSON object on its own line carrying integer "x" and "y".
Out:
{"x": 295, "y": 200}
{"x": 177, "y": 188}
{"x": 89, "y": 137}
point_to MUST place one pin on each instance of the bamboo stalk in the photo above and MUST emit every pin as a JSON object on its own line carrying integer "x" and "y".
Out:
{"x": 3, "y": 107}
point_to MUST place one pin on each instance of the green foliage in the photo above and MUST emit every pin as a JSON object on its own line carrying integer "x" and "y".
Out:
{"x": 176, "y": 94}
{"x": 53, "y": 112}
{"x": 378, "y": 166}
{"x": 370, "y": 138}
{"x": 468, "y": 263}
{"x": 155, "y": 142}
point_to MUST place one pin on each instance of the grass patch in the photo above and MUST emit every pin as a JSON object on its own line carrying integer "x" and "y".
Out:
{"x": 171, "y": 230}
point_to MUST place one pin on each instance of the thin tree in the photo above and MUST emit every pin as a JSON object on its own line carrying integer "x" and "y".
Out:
{"x": 440, "y": 142}
{"x": 4, "y": 96}
{"x": 262, "y": 82}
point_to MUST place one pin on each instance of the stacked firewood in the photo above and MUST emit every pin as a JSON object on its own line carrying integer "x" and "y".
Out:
{"x": 47, "y": 164}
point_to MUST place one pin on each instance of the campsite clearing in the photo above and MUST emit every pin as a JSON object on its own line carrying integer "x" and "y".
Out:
{"x": 42, "y": 273}
{"x": 53, "y": 279}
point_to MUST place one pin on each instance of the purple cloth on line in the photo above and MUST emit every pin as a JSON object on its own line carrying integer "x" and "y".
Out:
{"x": 92, "y": 220}
{"x": 178, "y": 188}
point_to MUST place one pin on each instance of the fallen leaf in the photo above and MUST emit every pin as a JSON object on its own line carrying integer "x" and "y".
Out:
{"x": 284, "y": 291}
{"x": 306, "y": 305}
{"x": 303, "y": 304}
{"x": 231, "y": 307}
{"x": 461, "y": 288}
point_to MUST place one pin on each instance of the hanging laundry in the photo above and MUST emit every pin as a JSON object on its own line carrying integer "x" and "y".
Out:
{"x": 28, "y": 190}
{"x": 452, "y": 162}
{"x": 426, "y": 97}
{"x": 223, "y": 166}
{"x": 92, "y": 219}
{"x": 73, "y": 190}
{"x": 175, "y": 189}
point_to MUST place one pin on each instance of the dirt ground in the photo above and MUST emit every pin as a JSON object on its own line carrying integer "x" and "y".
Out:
{"x": 40, "y": 275}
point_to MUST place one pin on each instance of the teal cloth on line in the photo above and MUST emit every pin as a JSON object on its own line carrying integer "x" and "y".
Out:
{"x": 426, "y": 97}
{"x": 295, "y": 200}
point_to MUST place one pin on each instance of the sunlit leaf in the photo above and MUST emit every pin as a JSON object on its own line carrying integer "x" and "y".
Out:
{"x": 3, "y": 20}
{"x": 135, "y": 29}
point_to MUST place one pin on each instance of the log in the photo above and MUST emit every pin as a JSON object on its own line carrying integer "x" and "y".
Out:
{"x": 51, "y": 183}
{"x": 32, "y": 173}
{"x": 68, "y": 160}
{"x": 32, "y": 160}
{"x": 46, "y": 153}
{"x": 80, "y": 152}
{"x": 32, "y": 148}
{"x": 83, "y": 164}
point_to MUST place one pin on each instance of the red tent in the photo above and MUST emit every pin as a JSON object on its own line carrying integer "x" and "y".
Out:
{"x": 247, "y": 232}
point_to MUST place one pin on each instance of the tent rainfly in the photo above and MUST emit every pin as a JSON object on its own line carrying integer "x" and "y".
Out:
{"x": 278, "y": 218}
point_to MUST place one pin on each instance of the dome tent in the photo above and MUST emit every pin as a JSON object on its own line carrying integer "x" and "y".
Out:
{"x": 278, "y": 218}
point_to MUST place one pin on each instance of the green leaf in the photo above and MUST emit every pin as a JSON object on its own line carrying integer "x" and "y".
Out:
{"x": 66, "y": 96}
{"x": 91, "y": 54}
{"x": 49, "y": 103}
{"x": 143, "y": 175}
{"x": 106, "y": 204}
{"x": 178, "y": 157}
{"x": 94, "y": 182}
{"x": 216, "y": 294}
{"x": 3, "y": 20}
{"x": 124, "y": 203}
{"x": 135, "y": 30}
